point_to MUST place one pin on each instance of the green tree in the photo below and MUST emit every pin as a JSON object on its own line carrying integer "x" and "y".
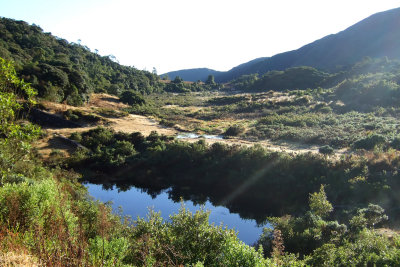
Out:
{"x": 319, "y": 203}
{"x": 11, "y": 88}
{"x": 14, "y": 138}
{"x": 210, "y": 80}
{"x": 373, "y": 214}
{"x": 177, "y": 80}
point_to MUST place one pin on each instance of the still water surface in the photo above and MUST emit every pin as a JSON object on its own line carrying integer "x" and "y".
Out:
{"x": 193, "y": 135}
{"x": 136, "y": 203}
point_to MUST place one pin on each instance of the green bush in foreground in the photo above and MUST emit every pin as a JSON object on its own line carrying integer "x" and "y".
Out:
{"x": 327, "y": 243}
{"x": 188, "y": 239}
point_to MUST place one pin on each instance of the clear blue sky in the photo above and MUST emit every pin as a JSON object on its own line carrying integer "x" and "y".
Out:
{"x": 178, "y": 34}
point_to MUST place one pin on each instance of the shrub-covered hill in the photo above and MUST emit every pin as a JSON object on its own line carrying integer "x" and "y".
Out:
{"x": 63, "y": 71}
{"x": 366, "y": 85}
{"x": 292, "y": 78}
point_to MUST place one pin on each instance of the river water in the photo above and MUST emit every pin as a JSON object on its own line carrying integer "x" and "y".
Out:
{"x": 136, "y": 203}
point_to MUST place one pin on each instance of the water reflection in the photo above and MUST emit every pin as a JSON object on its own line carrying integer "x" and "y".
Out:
{"x": 135, "y": 202}
{"x": 193, "y": 135}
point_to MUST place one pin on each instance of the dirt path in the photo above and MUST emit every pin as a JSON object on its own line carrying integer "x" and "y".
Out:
{"x": 136, "y": 123}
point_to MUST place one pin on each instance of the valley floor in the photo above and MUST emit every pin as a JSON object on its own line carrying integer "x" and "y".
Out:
{"x": 56, "y": 138}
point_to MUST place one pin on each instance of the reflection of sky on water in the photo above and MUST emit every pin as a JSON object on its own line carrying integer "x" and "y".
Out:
{"x": 193, "y": 135}
{"x": 136, "y": 203}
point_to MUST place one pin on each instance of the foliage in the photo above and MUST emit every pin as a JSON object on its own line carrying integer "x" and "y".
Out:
{"x": 210, "y": 80}
{"x": 62, "y": 71}
{"x": 226, "y": 100}
{"x": 108, "y": 252}
{"x": 326, "y": 150}
{"x": 234, "y": 130}
{"x": 15, "y": 137}
{"x": 79, "y": 116}
{"x": 368, "y": 249}
{"x": 363, "y": 130}
{"x": 109, "y": 151}
{"x": 188, "y": 239}
{"x": 244, "y": 82}
{"x": 370, "y": 142}
{"x": 328, "y": 243}
{"x": 180, "y": 86}
{"x": 319, "y": 204}
{"x": 291, "y": 78}
{"x": 373, "y": 214}
{"x": 132, "y": 98}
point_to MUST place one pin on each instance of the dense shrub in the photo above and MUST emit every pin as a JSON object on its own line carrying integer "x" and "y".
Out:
{"x": 368, "y": 249}
{"x": 370, "y": 142}
{"x": 329, "y": 243}
{"x": 326, "y": 150}
{"x": 395, "y": 143}
{"x": 132, "y": 98}
{"x": 291, "y": 78}
{"x": 327, "y": 129}
{"x": 234, "y": 130}
{"x": 189, "y": 239}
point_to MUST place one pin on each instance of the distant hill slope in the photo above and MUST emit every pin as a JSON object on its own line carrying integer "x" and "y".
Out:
{"x": 63, "y": 71}
{"x": 375, "y": 36}
{"x": 193, "y": 75}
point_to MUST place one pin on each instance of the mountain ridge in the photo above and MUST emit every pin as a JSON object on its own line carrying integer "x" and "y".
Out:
{"x": 375, "y": 36}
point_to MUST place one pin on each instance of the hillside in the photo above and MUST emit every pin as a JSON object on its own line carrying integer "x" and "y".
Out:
{"x": 63, "y": 71}
{"x": 375, "y": 36}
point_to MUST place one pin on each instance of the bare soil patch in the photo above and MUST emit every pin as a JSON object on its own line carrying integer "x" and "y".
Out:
{"x": 138, "y": 123}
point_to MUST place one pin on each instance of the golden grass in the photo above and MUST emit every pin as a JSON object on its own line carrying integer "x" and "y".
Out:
{"x": 18, "y": 259}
